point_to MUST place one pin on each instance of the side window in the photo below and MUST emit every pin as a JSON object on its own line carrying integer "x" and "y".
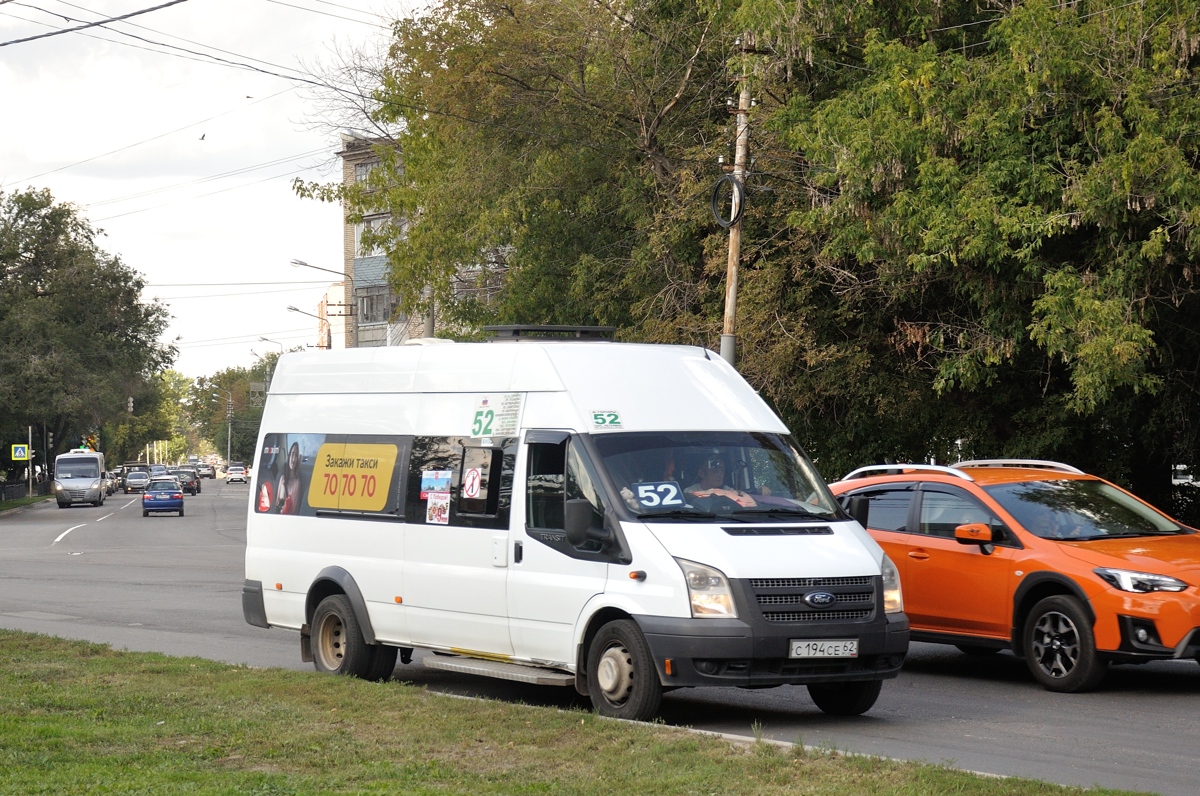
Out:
{"x": 450, "y": 482}
{"x": 942, "y": 512}
{"x": 887, "y": 509}
{"x": 558, "y": 472}
{"x": 546, "y": 485}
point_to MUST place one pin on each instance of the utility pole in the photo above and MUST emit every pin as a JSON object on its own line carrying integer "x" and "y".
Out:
{"x": 740, "y": 156}
{"x": 228, "y": 429}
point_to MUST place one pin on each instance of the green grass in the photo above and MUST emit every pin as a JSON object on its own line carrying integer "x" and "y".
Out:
{"x": 82, "y": 718}
{"x": 25, "y": 501}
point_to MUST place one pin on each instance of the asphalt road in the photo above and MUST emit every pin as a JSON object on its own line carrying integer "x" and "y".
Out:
{"x": 173, "y": 585}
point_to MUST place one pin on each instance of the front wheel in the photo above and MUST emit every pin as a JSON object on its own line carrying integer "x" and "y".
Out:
{"x": 622, "y": 680}
{"x": 845, "y": 699}
{"x": 1060, "y": 648}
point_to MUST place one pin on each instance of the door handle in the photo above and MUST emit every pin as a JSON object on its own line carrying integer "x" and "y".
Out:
{"x": 920, "y": 555}
{"x": 518, "y": 552}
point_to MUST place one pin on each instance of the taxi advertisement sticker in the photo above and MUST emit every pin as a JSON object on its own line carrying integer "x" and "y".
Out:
{"x": 352, "y": 476}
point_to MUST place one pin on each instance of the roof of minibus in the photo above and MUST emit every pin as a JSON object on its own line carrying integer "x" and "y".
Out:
{"x": 652, "y": 386}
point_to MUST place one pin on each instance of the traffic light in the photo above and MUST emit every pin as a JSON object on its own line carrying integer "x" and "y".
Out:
{"x": 50, "y": 440}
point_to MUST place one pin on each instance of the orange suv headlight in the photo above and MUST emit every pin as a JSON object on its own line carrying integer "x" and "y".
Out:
{"x": 1140, "y": 582}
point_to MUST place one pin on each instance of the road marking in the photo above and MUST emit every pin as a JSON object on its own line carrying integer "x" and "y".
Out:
{"x": 105, "y": 517}
{"x": 64, "y": 533}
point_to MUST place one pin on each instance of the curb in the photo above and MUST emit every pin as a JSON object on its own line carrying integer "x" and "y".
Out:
{"x": 19, "y": 509}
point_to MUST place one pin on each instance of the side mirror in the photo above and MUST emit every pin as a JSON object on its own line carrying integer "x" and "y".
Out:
{"x": 859, "y": 508}
{"x": 975, "y": 533}
{"x": 579, "y": 519}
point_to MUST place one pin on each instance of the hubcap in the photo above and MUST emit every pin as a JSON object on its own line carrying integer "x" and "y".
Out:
{"x": 329, "y": 642}
{"x": 614, "y": 674}
{"x": 1056, "y": 644}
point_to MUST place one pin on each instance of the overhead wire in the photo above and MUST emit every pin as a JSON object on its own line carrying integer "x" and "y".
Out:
{"x": 93, "y": 24}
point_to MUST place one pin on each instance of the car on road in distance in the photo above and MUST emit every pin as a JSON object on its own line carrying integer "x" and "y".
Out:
{"x": 162, "y": 495}
{"x": 206, "y": 470}
{"x": 188, "y": 480}
{"x": 110, "y": 482}
{"x": 236, "y": 474}
{"x": 136, "y": 481}
{"x": 1064, "y": 568}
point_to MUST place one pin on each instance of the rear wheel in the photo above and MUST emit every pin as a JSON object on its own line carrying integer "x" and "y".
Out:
{"x": 145, "y": 514}
{"x": 622, "y": 680}
{"x": 337, "y": 642}
{"x": 845, "y": 699}
{"x": 1060, "y": 648}
{"x": 181, "y": 512}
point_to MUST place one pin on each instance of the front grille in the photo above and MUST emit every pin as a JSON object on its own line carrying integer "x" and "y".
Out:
{"x": 784, "y": 600}
{"x": 76, "y": 494}
{"x": 798, "y": 599}
{"x": 815, "y": 616}
{"x": 803, "y": 583}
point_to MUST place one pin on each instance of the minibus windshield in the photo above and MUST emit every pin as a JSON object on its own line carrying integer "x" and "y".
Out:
{"x": 87, "y": 468}
{"x": 689, "y": 476}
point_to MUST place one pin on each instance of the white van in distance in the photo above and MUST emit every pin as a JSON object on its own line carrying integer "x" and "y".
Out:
{"x": 79, "y": 478}
{"x": 620, "y": 518}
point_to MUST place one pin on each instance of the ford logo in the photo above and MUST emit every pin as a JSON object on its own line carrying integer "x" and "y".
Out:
{"x": 820, "y": 599}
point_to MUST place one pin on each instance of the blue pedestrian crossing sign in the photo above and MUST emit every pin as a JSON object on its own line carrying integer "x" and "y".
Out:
{"x": 20, "y": 453}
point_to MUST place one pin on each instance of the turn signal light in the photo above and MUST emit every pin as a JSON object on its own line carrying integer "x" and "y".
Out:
{"x": 278, "y": 587}
{"x": 668, "y": 667}
{"x": 399, "y": 599}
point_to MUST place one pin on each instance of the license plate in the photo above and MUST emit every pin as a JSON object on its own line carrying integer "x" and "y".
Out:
{"x": 824, "y": 648}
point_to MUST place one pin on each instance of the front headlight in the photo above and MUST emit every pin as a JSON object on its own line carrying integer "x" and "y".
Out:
{"x": 708, "y": 590}
{"x": 95, "y": 485}
{"x": 893, "y": 598}
{"x": 58, "y": 487}
{"x": 1139, "y": 582}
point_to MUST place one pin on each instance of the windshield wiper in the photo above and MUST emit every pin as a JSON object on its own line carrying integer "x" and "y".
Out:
{"x": 687, "y": 514}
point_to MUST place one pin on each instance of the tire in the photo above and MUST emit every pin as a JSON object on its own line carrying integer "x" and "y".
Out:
{"x": 337, "y": 641}
{"x": 622, "y": 680}
{"x": 145, "y": 514}
{"x": 181, "y": 512}
{"x": 1060, "y": 648}
{"x": 63, "y": 505}
{"x": 845, "y": 699}
{"x": 976, "y": 651}
{"x": 383, "y": 663}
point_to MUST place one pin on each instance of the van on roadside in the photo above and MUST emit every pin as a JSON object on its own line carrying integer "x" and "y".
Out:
{"x": 623, "y": 519}
{"x": 79, "y": 478}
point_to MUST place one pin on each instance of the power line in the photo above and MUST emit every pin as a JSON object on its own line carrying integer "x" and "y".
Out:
{"x": 327, "y": 14}
{"x": 93, "y": 24}
{"x": 210, "y": 178}
{"x": 203, "y": 195}
{"x": 152, "y": 138}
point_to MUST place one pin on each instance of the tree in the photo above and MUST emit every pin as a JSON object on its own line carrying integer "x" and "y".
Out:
{"x": 75, "y": 337}
{"x": 541, "y": 141}
{"x": 990, "y": 249}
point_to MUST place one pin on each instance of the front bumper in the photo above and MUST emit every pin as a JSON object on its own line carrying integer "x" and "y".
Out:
{"x": 731, "y": 652}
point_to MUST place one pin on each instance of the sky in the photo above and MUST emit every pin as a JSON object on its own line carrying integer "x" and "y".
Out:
{"x": 184, "y": 163}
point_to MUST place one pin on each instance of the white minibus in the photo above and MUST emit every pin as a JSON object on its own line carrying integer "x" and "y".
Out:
{"x": 619, "y": 518}
{"x": 79, "y": 478}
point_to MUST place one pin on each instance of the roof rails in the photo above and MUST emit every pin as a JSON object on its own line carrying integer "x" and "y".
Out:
{"x": 900, "y": 469}
{"x": 518, "y": 332}
{"x": 1040, "y": 464}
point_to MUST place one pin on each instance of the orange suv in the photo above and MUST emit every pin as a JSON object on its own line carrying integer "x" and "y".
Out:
{"x": 1063, "y": 568}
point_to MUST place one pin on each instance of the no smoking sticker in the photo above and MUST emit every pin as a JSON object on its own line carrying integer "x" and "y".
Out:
{"x": 471, "y": 482}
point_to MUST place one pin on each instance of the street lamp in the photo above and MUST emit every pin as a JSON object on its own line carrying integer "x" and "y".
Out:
{"x": 273, "y": 342}
{"x": 229, "y": 423}
{"x": 325, "y": 321}
{"x": 349, "y": 302}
